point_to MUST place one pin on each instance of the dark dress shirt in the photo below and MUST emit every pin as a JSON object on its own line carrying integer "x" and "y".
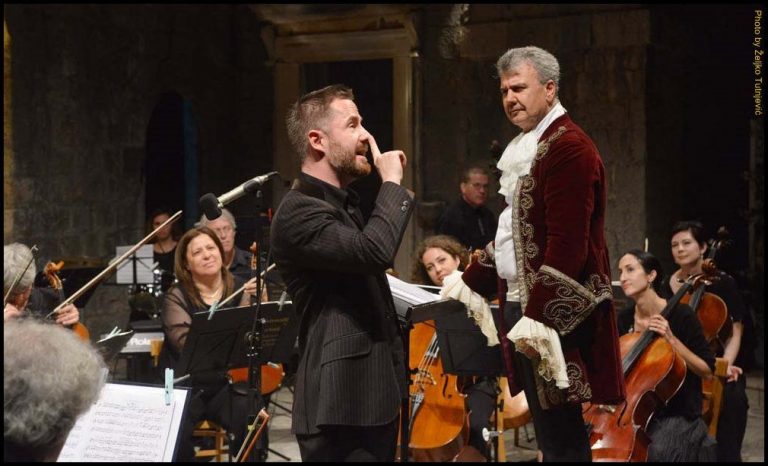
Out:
{"x": 473, "y": 227}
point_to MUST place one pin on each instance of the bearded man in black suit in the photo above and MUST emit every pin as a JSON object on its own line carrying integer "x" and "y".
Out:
{"x": 349, "y": 382}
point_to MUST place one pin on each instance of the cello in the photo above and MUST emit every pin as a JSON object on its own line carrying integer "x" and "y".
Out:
{"x": 439, "y": 426}
{"x": 653, "y": 372}
{"x": 50, "y": 271}
{"x": 710, "y": 308}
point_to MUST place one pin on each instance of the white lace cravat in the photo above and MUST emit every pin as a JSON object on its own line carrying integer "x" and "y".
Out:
{"x": 516, "y": 162}
{"x": 477, "y": 307}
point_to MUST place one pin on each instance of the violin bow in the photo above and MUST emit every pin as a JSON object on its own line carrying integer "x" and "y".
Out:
{"x": 113, "y": 266}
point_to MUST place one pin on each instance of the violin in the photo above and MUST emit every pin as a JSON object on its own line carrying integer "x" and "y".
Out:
{"x": 50, "y": 271}
{"x": 439, "y": 425}
{"x": 653, "y": 373}
{"x": 710, "y": 308}
{"x": 271, "y": 376}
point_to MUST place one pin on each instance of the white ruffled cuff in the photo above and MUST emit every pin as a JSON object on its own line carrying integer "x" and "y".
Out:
{"x": 477, "y": 307}
{"x": 528, "y": 332}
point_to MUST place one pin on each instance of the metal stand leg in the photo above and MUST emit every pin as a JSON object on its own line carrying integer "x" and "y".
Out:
{"x": 279, "y": 454}
{"x": 278, "y": 405}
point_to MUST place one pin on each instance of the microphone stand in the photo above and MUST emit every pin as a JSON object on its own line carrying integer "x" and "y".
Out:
{"x": 253, "y": 338}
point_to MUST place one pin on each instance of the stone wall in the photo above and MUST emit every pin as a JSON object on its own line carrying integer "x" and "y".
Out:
{"x": 84, "y": 81}
{"x": 657, "y": 88}
{"x": 602, "y": 54}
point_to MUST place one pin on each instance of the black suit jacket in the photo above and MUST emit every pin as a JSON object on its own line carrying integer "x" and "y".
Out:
{"x": 351, "y": 368}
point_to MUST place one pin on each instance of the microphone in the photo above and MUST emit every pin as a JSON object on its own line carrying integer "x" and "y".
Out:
{"x": 211, "y": 205}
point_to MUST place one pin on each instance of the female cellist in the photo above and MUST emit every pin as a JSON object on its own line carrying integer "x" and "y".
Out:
{"x": 677, "y": 431}
{"x": 436, "y": 258}
{"x": 688, "y": 246}
{"x": 24, "y": 296}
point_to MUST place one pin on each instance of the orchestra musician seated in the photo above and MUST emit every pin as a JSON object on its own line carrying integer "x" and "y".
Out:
{"x": 203, "y": 279}
{"x": 24, "y": 298}
{"x": 438, "y": 257}
{"x": 689, "y": 247}
{"x": 677, "y": 430}
{"x": 50, "y": 378}
{"x": 163, "y": 245}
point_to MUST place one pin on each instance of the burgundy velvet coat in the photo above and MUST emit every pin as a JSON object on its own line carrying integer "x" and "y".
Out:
{"x": 563, "y": 268}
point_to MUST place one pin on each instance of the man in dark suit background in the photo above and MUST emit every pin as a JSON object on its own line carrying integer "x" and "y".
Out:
{"x": 349, "y": 381}
{"x": 468, "y": 219}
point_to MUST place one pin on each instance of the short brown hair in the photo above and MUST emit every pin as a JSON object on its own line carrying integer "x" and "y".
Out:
{"x": 473, "y": 170}
{"x": 310, "y": 112}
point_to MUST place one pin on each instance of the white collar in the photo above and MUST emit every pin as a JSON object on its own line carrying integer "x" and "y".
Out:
{"x": 556, "y": 112}
{"x": 518, "y": 156}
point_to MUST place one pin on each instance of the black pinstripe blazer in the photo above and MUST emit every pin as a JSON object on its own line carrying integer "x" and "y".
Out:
{"x": 351, "y": 367}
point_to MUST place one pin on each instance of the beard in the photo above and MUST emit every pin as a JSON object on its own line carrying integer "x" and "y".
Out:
{"x": 346, "y": 163}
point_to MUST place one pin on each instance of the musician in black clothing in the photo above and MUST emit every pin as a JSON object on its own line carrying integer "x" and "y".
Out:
{"x": 163, "y": 245}
{"x": 468, "y": 219}
{"x": 24, "y": 298}
{"x": 689, "y": 246}
{"x": 203, "y": 280}
{"x": 677, "y": 431}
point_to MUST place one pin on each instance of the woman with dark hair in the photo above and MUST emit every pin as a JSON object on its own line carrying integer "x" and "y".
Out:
{"x": 203, "y": 279}
{"x": 677, "y": 431}
{"x": 688, "y": 246}
{"x": 163, "y": 244}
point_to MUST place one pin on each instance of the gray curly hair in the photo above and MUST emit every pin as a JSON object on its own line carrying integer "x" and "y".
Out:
{"x": 16, "y": 256}
{"x": 50, "y": 377}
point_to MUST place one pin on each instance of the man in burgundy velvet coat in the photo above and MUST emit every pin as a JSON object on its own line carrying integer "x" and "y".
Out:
{"x": 550, "y": 261}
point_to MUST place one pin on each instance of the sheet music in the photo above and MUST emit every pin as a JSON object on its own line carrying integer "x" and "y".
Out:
{"x": 127, "y": 423}
{"x": 409, "y": 292}
{"x": 144, "y": 265}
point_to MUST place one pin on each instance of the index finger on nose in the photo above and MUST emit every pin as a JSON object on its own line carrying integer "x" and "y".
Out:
{"x": 375, "y": 152}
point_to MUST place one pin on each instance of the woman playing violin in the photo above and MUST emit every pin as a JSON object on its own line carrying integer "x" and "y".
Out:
{"x": 436, "y": 258}
{"x": 677, "y": 431}
{"x": 25, "y": 298}
{"x": 203, "y": 280}
{"x": 688, "y": 247}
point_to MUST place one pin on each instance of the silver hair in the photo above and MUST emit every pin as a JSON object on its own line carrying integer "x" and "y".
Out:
{"x": 16, "y": 256}
{"x": 543, "y": 62}
{"x": 224, "y": 213}
{"x": 50, "y": 377}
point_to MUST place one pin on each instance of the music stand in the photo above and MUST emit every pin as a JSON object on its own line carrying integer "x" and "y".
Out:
{"x": 139, "y": 270}
{"x": 219, "y": 344}
{"x": 464, "y": 349}
{"x": 111, "y": 345}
